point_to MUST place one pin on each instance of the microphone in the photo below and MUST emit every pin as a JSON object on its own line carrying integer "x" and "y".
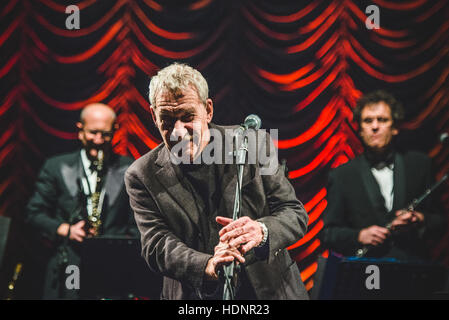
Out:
{"x": 444, "y": 138}
{"x": 241, "y": 144}
{"x": 252, "y": 122}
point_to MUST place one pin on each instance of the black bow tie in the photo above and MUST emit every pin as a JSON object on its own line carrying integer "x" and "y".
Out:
{"x": 382, "y": 164}
{"x": 380, "y": 161}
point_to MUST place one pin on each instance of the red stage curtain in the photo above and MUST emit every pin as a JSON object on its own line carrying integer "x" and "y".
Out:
{"x": 299, "y": 65}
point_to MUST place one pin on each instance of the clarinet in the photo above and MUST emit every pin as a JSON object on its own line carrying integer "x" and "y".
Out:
{"x": 94, "y": 220}
{"x": 360, "y": 253}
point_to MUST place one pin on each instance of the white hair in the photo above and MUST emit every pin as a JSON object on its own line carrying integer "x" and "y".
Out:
{"x": 175, "y": 78}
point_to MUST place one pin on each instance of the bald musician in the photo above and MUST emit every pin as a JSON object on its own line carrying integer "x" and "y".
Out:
{"x": 63, "y": 203}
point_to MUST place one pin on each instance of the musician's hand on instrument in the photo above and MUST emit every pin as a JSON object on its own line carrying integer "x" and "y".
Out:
{"x": 405, "y": 218}
{"x": 77, "y": 232}
{"x": 243, "y": 233}
{"x": 92, "y": 233}
{"x": 224, "y": 254}
{"x": 419, "y": 217}
{"x": 373, "y": 235}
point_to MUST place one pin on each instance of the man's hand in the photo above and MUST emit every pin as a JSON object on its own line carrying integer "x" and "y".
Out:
{"x": 92, "y": 233}
{"x": 405, "y": 218}
{"x": 373, "y": 235}
{"x": 243, "y": 233}
{"x": 223, "y": 254}
{"x": 77, "y": 232}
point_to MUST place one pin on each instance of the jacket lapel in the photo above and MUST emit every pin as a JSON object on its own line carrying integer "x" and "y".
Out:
{"x": 228, "y": 183}
{"x": 71, "y": 174}
{"x": 372, "y": 188}
{"x": 170, "y": 177}
{"x": 399, "y": 180}
{"x": 114, "y": 182}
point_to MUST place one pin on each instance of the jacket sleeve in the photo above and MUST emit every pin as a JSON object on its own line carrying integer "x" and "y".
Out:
{"x": 163, "y": 251}
{"x": 435, "y": 222}
{"x": 40, "y": 212}
{"x": 132, "y": 229}
{"x": 287, "y": 221}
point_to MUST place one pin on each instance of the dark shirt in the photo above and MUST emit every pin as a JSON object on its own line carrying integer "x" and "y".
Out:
{"x": 202, "y": 180}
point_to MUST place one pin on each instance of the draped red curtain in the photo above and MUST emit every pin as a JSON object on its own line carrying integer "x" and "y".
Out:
{"x": 299, "y": 65}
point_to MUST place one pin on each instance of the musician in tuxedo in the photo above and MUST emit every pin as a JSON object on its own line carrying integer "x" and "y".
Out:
{"x": 376, "y": 188}
{"x": 184, "y": 209}
{"x": 58, "y": 210}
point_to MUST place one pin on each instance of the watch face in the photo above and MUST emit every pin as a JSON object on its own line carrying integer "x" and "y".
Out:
{"x": 265, "y": 234}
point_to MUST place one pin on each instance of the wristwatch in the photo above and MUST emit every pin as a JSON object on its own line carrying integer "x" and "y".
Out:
{"x": 265, "y": 234}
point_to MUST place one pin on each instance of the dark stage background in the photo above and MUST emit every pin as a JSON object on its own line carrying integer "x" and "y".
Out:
{"x": 300, "y": 65}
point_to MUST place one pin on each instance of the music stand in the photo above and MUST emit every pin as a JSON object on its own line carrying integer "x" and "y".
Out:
{"x": 112, "y": 268}
{"x": 340, "y": 277}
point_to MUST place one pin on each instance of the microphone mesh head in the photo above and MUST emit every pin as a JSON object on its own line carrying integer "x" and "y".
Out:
{"x": 253, "y": 121}
{"x": 443, "y": 137}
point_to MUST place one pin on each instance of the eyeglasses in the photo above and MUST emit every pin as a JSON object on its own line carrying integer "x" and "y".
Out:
{"x": 104, "y": 134}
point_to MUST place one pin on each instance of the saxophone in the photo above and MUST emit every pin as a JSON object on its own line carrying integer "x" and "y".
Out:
{"x": 94, "y": 220}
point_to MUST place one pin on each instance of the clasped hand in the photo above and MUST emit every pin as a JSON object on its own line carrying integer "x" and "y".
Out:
{"x": 236, "y": 238}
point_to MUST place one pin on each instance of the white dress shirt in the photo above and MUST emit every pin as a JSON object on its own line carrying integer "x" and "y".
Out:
{"x": 384, "y": 178}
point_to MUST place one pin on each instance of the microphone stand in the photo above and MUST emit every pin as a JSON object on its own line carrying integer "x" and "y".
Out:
{"x": 230, "y": 271}
{"x": 360, "y": 253}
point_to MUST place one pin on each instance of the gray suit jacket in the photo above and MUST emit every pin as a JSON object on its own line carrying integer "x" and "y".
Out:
{"x": 172, "y": 244}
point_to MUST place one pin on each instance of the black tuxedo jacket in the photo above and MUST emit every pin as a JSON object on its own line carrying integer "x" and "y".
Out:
{"x": 355, "y": 202}
{"x": 56, "y": 200}
{"x": 172, "y": 241}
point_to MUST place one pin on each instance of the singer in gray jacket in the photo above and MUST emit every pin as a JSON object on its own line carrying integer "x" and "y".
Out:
{"x": 183, "y": 209}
